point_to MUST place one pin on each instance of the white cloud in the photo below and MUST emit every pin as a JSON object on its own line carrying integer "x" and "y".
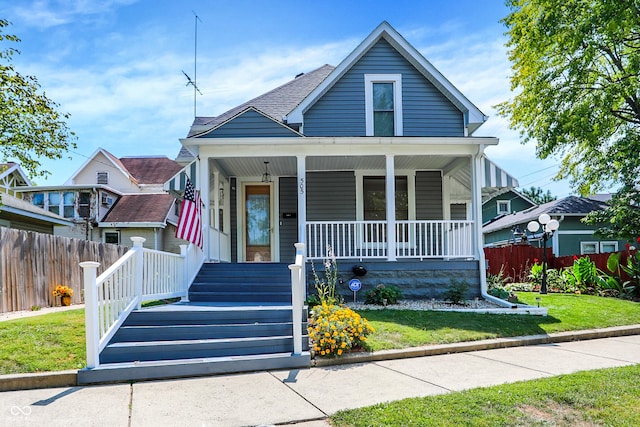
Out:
{"x": 52, "y": 13}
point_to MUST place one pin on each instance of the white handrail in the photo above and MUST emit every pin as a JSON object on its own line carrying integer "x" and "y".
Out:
{"x": 297, "y": 296}
{"x": 413, "y": 239}
{"x": 140, "y": 274}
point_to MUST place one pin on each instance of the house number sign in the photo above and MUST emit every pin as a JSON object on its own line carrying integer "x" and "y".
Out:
{"x": 301, "y": 185}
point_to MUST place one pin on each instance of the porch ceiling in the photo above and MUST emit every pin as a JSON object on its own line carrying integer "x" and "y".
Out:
{"x": 286, "y": 166}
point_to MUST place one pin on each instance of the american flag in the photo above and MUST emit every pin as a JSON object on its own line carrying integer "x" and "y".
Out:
{"x": 190, "y": 221}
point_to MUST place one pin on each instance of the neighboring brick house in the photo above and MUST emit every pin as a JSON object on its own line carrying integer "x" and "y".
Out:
{"x": 111, "y": 199}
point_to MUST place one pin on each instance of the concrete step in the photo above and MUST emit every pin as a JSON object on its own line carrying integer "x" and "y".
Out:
{"x": 189, "y": 349}
{"x": 140, "y": 371}
{"x": 200, "y": 332}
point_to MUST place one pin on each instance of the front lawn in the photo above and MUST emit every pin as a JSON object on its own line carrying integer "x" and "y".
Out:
{"x": 567, "y": 312}
{"x": 606, "y": 397}
{"x": 55, "y": 342}
{"x": 50, "y": 342}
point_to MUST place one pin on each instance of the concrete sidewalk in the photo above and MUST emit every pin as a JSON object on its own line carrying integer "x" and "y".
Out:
{"x": 304, "y": 396}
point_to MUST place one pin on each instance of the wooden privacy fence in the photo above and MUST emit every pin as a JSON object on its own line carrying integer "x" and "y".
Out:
{"x": 516, "y": 260}
{"x": 32, "y": 264}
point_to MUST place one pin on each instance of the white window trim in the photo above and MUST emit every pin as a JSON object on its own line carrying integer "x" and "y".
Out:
{"x": 396, "y": 79}
{"x": 598, "y": 246}
{"x": 508, "y": 203}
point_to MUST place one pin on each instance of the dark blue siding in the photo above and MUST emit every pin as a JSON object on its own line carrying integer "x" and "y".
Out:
{"x": 428, "y": 195}
{"x": 288, "y": 194}
{"x": 331, "y": 196}
{"x": 250, "y": 124}
{"x": 341, "y": 111}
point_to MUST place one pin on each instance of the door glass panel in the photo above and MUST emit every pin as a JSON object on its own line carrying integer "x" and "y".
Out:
{"x": 258, "y": 223}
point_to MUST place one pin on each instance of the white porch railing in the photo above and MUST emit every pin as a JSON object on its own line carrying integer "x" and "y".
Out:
{"x": 434, "y": 239}
{"x": 368, "y": 239}
{"x": 140, "y": 275}
{"x": 348, "y": 239}
{"x": 219, "y": 246}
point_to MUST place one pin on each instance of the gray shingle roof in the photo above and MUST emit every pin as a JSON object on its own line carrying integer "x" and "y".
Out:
{"x": 136, "y": 208}
{"x": 276, "y": 103}
{"x": 571, "y": 205}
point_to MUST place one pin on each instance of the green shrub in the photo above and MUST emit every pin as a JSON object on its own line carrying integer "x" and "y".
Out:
{"x": 457, "y": 292}
{"x": 313, "y": 300}
{"x": 383, "y": 295}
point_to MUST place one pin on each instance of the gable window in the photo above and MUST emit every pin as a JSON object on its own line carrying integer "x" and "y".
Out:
{"x": 383, "y": 104}
{"x": 102, "y": 178}
{"x": 504, "y": 207}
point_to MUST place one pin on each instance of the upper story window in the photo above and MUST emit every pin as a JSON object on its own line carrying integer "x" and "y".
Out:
{"x": 102, "y": 178}
{"x": 84, "y": 200}
{"x": 504, "y": 207}
{"x": 383, "y": 104}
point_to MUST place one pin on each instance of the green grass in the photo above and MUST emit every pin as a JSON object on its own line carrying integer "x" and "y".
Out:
{"x": 567, "y": 312}
{"x": 600, "y": 397}
{"x": 50, "y": 342}
{"x": 54, "y": 342}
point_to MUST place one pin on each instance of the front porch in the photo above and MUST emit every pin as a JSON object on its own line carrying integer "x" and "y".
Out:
{"x": 408, "y": 205}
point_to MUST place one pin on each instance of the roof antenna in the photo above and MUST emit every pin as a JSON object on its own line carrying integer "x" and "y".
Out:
{"x": 195, "y": 65}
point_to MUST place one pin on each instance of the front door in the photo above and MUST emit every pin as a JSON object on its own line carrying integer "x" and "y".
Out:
{"x": 257, "y": 207}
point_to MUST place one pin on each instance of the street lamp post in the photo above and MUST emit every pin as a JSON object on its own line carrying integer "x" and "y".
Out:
{"x": 548, "y": 227}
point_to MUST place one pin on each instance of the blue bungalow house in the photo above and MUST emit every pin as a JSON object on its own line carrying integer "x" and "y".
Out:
{"x": 372, "y": 162}
{"x": 374, "y": 158}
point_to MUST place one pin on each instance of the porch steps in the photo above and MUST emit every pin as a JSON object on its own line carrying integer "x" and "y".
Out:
{"x": 236, "y": 332}
{"x": 242, "y": 283}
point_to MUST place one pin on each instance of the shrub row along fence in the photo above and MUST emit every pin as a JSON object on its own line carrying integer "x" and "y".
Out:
{"x": 515, "y": 261}
{"x": 32, "y": 264}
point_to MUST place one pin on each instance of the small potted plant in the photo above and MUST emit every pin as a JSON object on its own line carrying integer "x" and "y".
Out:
{"x": 64, "y": 292}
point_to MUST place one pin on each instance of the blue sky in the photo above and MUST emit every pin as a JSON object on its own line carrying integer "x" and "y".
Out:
{"x": 116, "y": 65}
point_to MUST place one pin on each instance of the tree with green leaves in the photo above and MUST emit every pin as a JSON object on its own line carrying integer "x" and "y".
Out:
{"x": 536, "y": 195}
{"x": 576, "y": 72}
{"x": 31, "y": 128}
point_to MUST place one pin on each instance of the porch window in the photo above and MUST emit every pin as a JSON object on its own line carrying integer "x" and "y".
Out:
{"x": 68, "y": 200}
{"x": 383, "y": 104}
{"x": 83, "y": 205}
{"x": 54, "y": 203}
{"x": 38, "y": 200}
{"x": 375, "y": 203}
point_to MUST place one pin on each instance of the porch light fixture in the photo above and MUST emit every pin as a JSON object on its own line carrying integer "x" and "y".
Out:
{"x": 266, "y": 176}
{"x": 549, "y": 226}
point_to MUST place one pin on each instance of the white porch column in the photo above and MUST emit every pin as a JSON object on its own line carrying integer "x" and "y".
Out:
{"x": 302, "y": 199}
{"x": 477, "y": 181}
{"x": 391, "y": 207}
{"x": 205, "y": 195}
